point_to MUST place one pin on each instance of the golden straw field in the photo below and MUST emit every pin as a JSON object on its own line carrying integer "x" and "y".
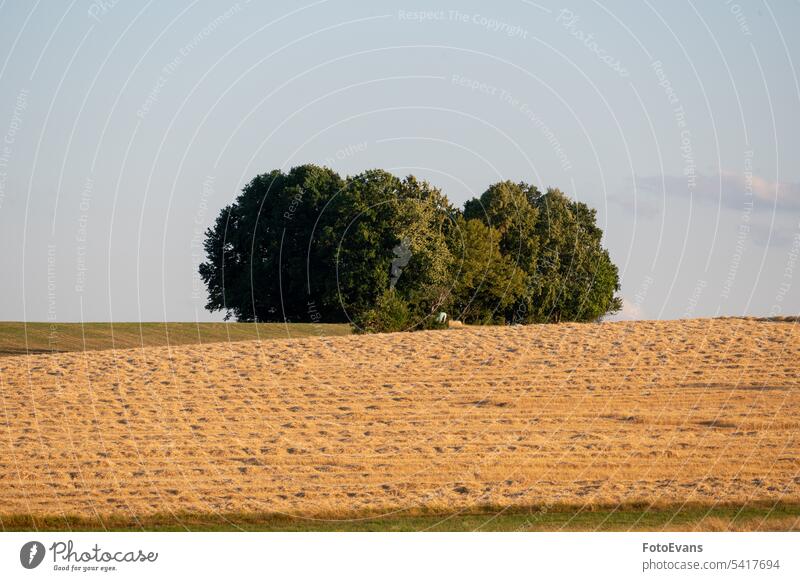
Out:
{"x": 658, "y": 413}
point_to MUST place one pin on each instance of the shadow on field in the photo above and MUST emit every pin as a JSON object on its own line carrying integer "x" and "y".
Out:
{"x": 761, "y": 517}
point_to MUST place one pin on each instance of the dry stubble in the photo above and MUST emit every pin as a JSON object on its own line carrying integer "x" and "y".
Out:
{"x": 703, "y": 411}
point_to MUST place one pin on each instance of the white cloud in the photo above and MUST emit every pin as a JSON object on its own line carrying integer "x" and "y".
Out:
{"x": 730, "y": 189}
{"x": 631, "y": 311}
{"x": 787, "y": 194}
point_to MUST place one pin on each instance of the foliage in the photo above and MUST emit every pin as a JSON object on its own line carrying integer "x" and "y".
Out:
{"x": 487, "y": 282}
{"x": 387, "y": 253}
{"x": 377, "y": 217}
{"x": 575, "y": 279}
{"x": 389, "y": 315}
{"x": 510, "y": 209}
{"x": 555, "y": 241}
{"x": 263, "y": 259}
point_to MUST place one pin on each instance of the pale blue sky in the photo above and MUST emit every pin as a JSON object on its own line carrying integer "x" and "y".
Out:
{"x": 125, "y": 126}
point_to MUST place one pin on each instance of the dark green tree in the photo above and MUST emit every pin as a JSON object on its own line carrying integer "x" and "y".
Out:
{"x": 390, "y": 233}
{"x": 264, "y": 260}
{"x": 384, "y": 252}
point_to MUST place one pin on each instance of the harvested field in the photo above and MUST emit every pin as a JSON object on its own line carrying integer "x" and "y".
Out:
{"x": 704, "y": 412}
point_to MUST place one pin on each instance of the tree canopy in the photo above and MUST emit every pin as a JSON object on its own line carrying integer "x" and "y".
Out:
{"x": 386, "y": 253}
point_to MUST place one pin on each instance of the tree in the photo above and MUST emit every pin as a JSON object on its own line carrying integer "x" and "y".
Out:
{"x": 510, "y": 209}
{"x": 488, "y": 282}
{"x": 264, "y": 262}
{"x": 379, "y": 218}
{"x": 384, "y": 253}
{"x": 556, "y": 243}
{"x": 575, "y": 279}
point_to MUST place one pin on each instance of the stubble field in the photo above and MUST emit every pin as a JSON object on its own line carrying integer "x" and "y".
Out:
{"x": 493, "y": 421}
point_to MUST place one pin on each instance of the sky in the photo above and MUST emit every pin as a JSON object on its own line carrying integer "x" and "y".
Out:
{"x": 126, "y": 126}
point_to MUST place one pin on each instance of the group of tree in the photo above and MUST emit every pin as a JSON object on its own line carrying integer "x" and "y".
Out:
{"x": 389, "y": 254}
